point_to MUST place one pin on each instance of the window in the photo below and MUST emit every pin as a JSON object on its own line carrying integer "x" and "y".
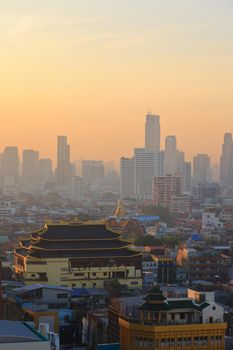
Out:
{"x": 84, "y": 284}
{"x": 94, "y": 274}
{"x": 182, "y": 315}
{"x": 134, "y": 283}
{"x": 79, "y": 274}
{"x": 62, "y": 295}
{"x": 43, "y": 276}
{"x": 94, "y": 284}
{"x": 105, "y": 273}
{"x": 38, "y": 293}
{"x": 118, "y": 274}
{"x": 214, "y": 308}
{"x": 73, "y": 284}
{"x": 136, "y": 341}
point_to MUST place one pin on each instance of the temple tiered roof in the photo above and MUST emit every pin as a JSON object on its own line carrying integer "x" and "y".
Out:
{"x": 76, "y": 241}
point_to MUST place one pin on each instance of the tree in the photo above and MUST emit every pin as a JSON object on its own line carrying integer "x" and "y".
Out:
{"x": 147, "y": 240}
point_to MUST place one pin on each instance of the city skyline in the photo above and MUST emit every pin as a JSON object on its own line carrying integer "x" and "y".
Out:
{"x": 89, "y": 71}
{"x": 116, "y": 174}
{"x": 21, "y": 149}
{"x": 85, "y": 153}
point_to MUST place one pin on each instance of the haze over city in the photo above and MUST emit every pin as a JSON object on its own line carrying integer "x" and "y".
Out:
{"x": 116, "y": 175}
{"x": 90, "y": 70}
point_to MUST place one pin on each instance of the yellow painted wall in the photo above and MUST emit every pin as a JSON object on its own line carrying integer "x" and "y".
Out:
{"x": 130, "y": 331}
{"x": 58, "y": 272}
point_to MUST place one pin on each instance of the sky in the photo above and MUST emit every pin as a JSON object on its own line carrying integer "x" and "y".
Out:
{"x": 91, "y": 69}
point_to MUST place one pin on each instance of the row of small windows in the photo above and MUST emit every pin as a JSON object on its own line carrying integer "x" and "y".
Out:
{"x": 149, "y": 343}
{"x": 94, "y": 284}
{"x": 83, "y": 285}
{"x": 94, "y": 274}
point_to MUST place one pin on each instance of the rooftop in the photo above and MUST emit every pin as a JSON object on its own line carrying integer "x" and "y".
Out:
{"x": 38, "y": 286}
{"x": 18, "y": 332}
{"x": 78, "y": 240}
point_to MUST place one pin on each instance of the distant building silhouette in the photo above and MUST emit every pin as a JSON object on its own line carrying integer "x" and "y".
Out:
{"x": 63, "y": 170}
{"x": 127, "y": 177}
{"x": 10, "y": 165}
{"x": 148, "y": 164}
{"x": 152, "y": 132}
{"x": 170, "y": 155}
{"x": 201, "y": 169}
{"x": 187, "y": 176}
{"x": 226, "y": 161}
{"x": 45, "y": 171}
{"x": 30, "y": 165}
{"x": 92, "y": 171}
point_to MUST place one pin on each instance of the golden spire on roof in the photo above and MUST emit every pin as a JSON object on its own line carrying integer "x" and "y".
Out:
{"x": 119, "y": 212}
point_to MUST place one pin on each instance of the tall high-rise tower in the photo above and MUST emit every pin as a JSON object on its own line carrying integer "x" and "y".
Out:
{"x": 152, "y": 132}
{"x": 10, "y": 164}
{"x": 201, "y": 169}
{"x": 30, "y": 164}
{"x": 170, "y": 155}
{"x": 226, "y": 161}
{"x": 127, "y": 178}
{"x": 63, "y": 171}
{"x": 147, "y": 165}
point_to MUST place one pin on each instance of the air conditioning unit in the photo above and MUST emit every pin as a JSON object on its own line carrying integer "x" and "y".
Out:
{"x": 44, "y": 329}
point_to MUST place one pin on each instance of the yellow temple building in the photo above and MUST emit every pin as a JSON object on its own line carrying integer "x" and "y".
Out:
{"x": 77, "y": 255}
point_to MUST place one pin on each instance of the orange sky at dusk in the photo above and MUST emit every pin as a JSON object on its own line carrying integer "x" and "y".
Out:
{"x": 90, "y": 71}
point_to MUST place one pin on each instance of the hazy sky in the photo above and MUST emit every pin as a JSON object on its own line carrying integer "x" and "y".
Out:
{"x": 89, "y": 69}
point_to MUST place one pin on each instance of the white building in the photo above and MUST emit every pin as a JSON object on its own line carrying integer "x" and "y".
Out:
{"x": 9, "y": 208}
{"x": 213, "y": 312}
{"x": 210, "y": 221}
{"x": 147, "y": 165}
{"x": 76, "y": 188}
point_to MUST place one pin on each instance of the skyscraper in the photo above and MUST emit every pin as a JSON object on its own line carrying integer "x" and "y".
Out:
{"x": 10, "y": 165}
{"x": 187, "y": 176}
{"x": 152, "y": 132}
{"x": 201, "y": 169}
{"x": 170, "y": 155}
{"x": 30, "y": 165}
{"x": 127, "y": 178}
{"x": 226, "y": 161}
{"x": 45, "y": 171}
{"x": 63, "y": 171}
{"x": 147, "y": 165}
